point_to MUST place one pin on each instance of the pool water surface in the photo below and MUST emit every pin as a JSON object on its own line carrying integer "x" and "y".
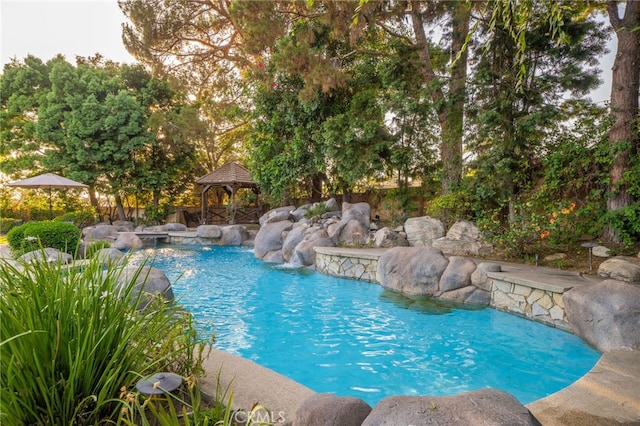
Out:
{"x": 353, "y": 338}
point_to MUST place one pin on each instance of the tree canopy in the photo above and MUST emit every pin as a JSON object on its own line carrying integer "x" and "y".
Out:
{"x": 473, "y": 101}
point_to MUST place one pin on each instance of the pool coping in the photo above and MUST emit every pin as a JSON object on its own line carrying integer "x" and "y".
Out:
{"x": 609, "y": 394}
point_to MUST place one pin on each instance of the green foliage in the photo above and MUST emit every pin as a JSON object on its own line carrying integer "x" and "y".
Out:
{"x": 34, "y": 235}
{"x": 81, "y": 219}
{"x": 529, "y": 226}
{"x": 72, "y": 338}
{"x": 515, "y": 118}
{"x": 155, "y": 215}
{"x": 8, "y": 223}
{"x": 317, "y": 209}
{"x": 286, "y": 152}
{"x": 626, "y": 222}
{"x": 95, "y": 246}
{"x": 450, "y": 207}
{"x": 110, "y": 126}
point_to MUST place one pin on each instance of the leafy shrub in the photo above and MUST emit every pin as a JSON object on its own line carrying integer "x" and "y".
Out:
{"x": 81, "y": 219}
{"x": 34, "y": 235}
{"x": 72, "y": 341}
{"x": 8, "y": 223}
{"x": 15, "y": 237}
{"x": 529, "y": 228}
{"x": 317, "y": 209}
{"x": 449, "y": 207}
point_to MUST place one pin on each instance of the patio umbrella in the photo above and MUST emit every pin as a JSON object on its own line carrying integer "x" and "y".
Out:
{"x": 50, "y": 181}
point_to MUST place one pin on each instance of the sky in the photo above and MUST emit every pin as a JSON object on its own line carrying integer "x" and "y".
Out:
{"x": 45, "y": 28}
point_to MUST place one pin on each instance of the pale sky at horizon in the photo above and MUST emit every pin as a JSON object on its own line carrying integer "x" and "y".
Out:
{"x": 44, "y": 28}
{"x": 73, "y": 28}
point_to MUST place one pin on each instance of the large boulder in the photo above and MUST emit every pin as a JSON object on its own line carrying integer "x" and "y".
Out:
{"x": 412, "y": 270}
{"x": 270, "y": 237}
{"x": 480, "y": 279}
{"x": 48, "y": 255}
{"x": 481, "y": 407}
{"x": 124, "y": 224}
{"x": 233, "y": 235}
{"x": 422, "y": 231}
{"x": 620, "y": 268}
{"x": 301, "y": 212}
{"x": 353, "y": 228}
{"x": 387, "y": 237}
{"x": 463, "y": 239}
{"x": 208, "y": 231}
{"x": 331, "y": 205}
{"x": 103, "y": 232}
{"x": 293, "y": 238}
{"x": 127, "y": 241}
{"x": 457, "y": 274}
{"x": 352, "y": 233}
{"x": 323, "y": 409}
{"x": 606, "y": 314}
{"x": 152, "y": 282}
{"x": 304, "y": 254}
{"x": 108, "y": 255}
{"x": 276, "y": 215}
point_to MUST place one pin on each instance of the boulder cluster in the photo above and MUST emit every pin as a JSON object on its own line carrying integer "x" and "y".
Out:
{"x": 289, "y": 234}
{"x": 426, "y": 271}
{"x": 481, "y": 407}
{"x": 421, "y": 260}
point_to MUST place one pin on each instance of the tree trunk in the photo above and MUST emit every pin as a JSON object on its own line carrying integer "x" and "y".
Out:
{"x": 94, "y": 201}
{"x": 120, "y": 207}
{"x": 625, "y": 88}
{"x": 451, "y": 110}
{"x": 316, "y": 187}
{"x": 452, "y": 130}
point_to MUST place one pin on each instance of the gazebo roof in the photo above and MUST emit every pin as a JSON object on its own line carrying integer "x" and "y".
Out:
{"x": 229, "y": 174}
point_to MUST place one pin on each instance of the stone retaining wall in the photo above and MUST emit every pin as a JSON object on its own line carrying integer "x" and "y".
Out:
{"x": 361, "y": 266}
{"x": 540, "y": 305}
{"x": 191, "y": 239}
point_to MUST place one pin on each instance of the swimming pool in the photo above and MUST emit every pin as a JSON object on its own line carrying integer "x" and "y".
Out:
{"x": 353, "y": 338}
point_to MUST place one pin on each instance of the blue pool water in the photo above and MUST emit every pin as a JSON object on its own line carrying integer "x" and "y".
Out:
{"x": 353, "y": 338}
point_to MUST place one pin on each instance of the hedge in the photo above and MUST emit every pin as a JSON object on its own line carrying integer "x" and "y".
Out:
{"x": 34, "y": 235}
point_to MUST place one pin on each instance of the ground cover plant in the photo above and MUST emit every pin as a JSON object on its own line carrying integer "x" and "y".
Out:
{"x": 73, "y": 345}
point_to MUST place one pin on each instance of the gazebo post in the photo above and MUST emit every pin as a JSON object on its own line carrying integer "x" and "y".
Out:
{"x": 233, "y": 204}
{"x": 205, "y": 205}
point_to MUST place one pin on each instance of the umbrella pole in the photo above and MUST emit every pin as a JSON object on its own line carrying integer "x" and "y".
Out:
{"x": 50, "y": 206}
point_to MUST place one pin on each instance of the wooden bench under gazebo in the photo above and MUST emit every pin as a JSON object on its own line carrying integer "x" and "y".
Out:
{"x": 227, "y": 180}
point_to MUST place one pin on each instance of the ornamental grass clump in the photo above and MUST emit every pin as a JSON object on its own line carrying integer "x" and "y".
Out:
{"x": 71, "y": 339}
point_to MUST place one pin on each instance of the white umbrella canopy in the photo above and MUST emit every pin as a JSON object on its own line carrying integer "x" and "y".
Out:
{"x": 48, "y": 180}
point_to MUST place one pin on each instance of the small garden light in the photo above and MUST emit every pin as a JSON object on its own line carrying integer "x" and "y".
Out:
{"x": 590, "y": 246}
{"x": 159, "y": 383}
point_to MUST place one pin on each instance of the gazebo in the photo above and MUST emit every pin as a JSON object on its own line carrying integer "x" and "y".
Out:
{"x": 228, "y": 179}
